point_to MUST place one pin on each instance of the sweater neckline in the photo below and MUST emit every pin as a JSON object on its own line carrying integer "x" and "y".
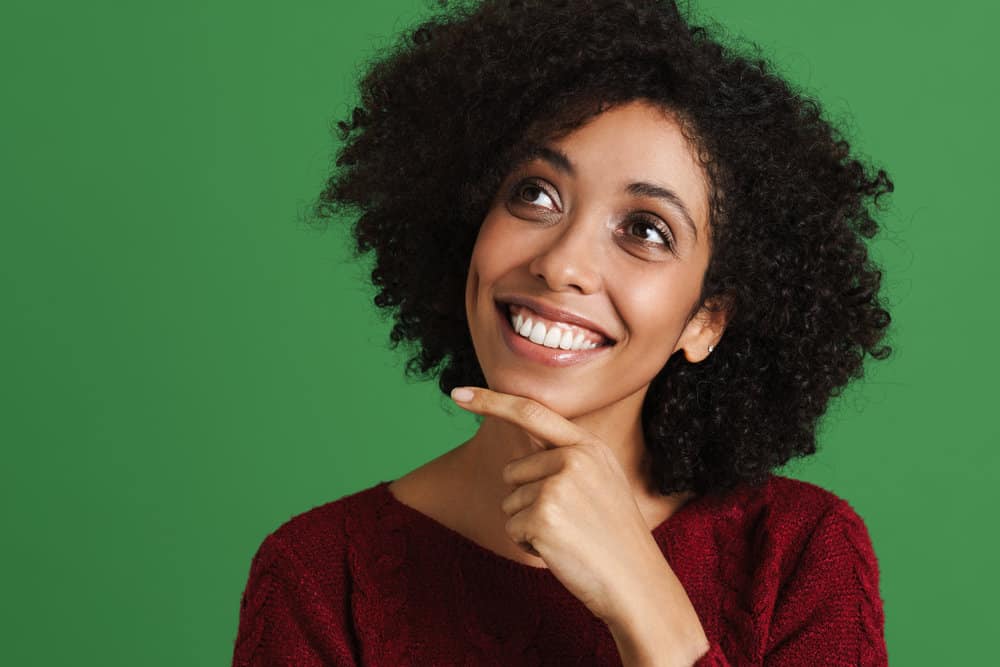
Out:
{"x": 513, "y": 567}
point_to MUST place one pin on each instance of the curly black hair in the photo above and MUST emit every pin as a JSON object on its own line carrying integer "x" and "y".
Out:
{"x": 450, "y": 108}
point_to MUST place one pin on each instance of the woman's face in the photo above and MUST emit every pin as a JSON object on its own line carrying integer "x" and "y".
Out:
{"x": 608, "y": 223}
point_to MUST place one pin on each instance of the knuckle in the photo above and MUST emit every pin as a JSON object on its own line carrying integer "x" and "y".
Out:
{"x": 529, "y": 409}
{"x": 573, "y": 460}
{"x": 562, "y": 490}
{"x": 548, "y": 514}
{"x": 510, "y": 528}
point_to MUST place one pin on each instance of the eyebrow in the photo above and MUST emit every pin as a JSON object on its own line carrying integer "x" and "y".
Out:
{"x": 561, "y": 162}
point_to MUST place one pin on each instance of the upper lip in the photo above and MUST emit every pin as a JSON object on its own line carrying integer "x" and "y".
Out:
{"x": 555, "y": 313}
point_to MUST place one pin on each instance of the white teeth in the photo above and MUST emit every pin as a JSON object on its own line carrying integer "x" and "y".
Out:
{"x": 554, "y": 338}
{"x": 525, "y": 328}
{"x": 538, "y": 334}
{"x": 566, "y": 342}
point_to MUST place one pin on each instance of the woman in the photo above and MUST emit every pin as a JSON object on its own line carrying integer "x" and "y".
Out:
{"x": 637, "y": 256}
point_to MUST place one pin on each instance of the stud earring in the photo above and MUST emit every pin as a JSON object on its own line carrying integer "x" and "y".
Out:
{"x": 710, "y": 348}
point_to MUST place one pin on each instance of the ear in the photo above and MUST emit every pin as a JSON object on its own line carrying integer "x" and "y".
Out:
{"x": 705, "y": 328}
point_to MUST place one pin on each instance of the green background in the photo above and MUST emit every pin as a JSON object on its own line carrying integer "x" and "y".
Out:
{"x": 186, "y": 365}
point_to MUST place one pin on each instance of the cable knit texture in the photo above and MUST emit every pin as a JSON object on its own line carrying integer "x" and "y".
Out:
{"x": 780, "y": 574}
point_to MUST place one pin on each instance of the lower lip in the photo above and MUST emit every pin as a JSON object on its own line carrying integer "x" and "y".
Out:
{"x": 547, "y": 356}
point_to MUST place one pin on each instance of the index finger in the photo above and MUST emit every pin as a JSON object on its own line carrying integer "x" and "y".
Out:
{"x": 545, "y": 424}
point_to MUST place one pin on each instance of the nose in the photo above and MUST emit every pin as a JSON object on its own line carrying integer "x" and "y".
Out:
{"x": 570, "y": 257}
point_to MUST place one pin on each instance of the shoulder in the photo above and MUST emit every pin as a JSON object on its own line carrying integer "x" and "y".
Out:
{"x": 805, "y": 527}
{"x": 825, "y": 509}
{"x": 834, "y": 527}
{"x": 797, "y": 508}
{"x": 319, "y": 539}
{"x": 296, "y": 599}
{"x": 789, "y": 494}
{"x": 824, "y": 587}
{"x": 776, "y": 523}
{"x": 788, "y": 540}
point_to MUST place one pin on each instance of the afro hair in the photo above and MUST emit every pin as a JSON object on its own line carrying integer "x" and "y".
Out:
{"x": 448, "y": 110}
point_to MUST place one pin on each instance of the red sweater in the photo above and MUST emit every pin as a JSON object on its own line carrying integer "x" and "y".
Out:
{"x": 782, "y": 574}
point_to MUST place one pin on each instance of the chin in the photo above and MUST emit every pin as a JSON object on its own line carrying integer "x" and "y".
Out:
{"x": 562, "y": 398}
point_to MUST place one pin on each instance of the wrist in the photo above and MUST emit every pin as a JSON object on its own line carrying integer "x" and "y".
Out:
{"x": 658, "y": 625}
{"x": 664, "y": 646}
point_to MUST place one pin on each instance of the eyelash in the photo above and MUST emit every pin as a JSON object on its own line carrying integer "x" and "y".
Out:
{"x": 644, "y": 218}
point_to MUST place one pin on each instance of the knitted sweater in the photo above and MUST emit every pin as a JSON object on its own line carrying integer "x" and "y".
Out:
{"x": 780, "y": 574}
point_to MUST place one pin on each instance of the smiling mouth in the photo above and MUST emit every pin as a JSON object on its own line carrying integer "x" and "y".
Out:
{"x": 574, "y": 338}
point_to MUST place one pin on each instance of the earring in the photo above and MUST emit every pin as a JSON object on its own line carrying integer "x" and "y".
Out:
{"x": 710, "y": 348}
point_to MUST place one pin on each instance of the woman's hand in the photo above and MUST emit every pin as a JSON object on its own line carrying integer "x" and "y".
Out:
{"x": 574, "y": 508}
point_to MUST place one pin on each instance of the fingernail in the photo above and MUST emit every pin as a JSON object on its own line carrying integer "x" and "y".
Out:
{"x": 461, "y": 394}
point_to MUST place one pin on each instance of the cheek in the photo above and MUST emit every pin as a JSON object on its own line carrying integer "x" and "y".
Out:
{"x": 654, "y": 313}
{"x": 483, "y": 265}
{"x": 496, "y": 249}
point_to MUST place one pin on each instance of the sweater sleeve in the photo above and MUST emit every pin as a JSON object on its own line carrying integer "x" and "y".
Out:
{"x": 287, "y": 619}
{"x": 829, "y": 612}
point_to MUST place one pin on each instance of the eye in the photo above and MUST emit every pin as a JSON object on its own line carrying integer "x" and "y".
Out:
{"x": 648, "y": 224}
{"x": 531, "y": 192}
